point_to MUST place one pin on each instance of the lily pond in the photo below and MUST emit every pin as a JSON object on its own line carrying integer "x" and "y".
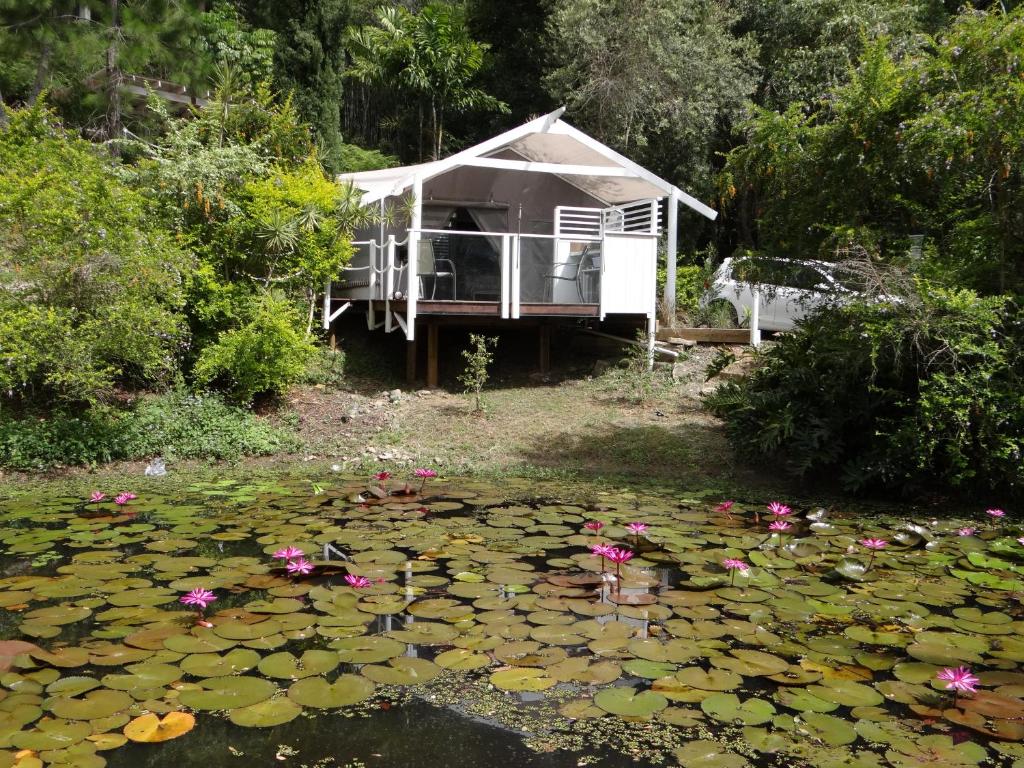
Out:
{"x": 369, "y": 622}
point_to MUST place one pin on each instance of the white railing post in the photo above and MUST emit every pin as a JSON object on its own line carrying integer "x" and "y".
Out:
{"x": 372, "y": 279}
{"x": 670, "y": 254}
{"x": 652, "y": 335}
{"x": 505, "y": 277}
{"x": 413, "y": 267}
{"x": 371, "y": 312}
{"x": 654, "y": 216}
{"x": 755, "y": 319}
{"x": 327, "y": 305}
{"x": 389, "y": 283}
{"x": 516, "y": 263}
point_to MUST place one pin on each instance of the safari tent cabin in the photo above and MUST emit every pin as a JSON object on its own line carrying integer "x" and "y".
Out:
{"x": 540, "y": 222}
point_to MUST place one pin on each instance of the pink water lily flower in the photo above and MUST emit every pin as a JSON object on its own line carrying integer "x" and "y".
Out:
{"x": 594, "y": 525}
{"x": 966, "y": 531}
{"x": 874, "y": 545}
{"x": 123, "y": 498}
{"x": 97, "y": 496}
{"x": 725, "y": 506}
{"x": 300, "y": 567}
{"x": 778, "y": 509}
{"x": 958, "y": 680}
{"x": 733, "y": 565}
{"x": 424, "y": 475}
{"x": 288, "y": 553}
{"x": 1020, "y": 540}
{"x": 637, "y": 528}
{"x": 619, "y": 556}
{"x": 200, "y": 598}
{"x": 780, "y": 525}
{"x": 357, "y": 582}
{"x": 995, "y": 513}
{"x": 382, "y": 476}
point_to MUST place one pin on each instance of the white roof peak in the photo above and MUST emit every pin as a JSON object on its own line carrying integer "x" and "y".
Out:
{"x": 549, "y": 145}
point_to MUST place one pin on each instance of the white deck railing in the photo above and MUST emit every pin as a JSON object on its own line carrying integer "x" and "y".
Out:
{"x": 642, "y": 217}
{"x": 573, "y": 221}
{"x": 383, "y": 278}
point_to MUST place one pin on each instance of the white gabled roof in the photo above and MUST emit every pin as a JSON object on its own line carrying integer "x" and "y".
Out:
{"x": 546, "y": 144}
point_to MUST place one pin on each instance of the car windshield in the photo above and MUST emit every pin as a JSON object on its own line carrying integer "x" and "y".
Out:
{"x": 781, "y": 273}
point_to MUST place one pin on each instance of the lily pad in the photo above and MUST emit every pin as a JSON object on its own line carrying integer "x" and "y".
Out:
{"x": 343, "y": 692}
{"x": 266, "y": 714}
{"x": 150, "y": 728}
{"x": 228, "y": 693}
{"x": 708, "y": 754}
{"x": 627, "y": 702}
{"x": 286, "y": 666}
{"x": 402, "y": 671}
{"x": 729, "y": 708}
{"x": 521, "y": 679}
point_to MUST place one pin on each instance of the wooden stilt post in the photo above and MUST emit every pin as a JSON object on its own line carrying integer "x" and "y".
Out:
{"x": 410, "y": 361}
{"x": 432, "y": 356}
{"x": 545, "y": 348}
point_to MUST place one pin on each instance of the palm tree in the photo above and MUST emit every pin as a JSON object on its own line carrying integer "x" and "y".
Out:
{"x": 429, "y": 55}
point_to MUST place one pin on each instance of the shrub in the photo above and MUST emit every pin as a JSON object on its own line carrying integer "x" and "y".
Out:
{"x": 176, "y": 425}
{"x": 327, "y": 367}
{"x": 894, "y": 395}
{"x": 60, "y": 439}
{"x": 266, "y": 354}
{"x": 181, "y": 425}
{"x": 478, "y": 357}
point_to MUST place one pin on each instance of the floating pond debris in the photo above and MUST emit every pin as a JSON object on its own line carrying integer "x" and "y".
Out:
{"x": 474, "y": 593}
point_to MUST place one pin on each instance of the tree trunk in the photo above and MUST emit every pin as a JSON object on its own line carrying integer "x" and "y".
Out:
{"x": 114, "y": 79}
{"x": 42, "y": 70}
{"x": 433, "y": 128}
{"x": 440, "y": 130}
{"x": 421, "y": 131}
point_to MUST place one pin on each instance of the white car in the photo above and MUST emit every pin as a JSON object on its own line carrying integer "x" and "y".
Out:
{"x": 789, "y": 290}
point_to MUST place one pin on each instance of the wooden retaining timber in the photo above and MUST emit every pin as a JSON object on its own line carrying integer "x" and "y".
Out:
{"x": 707, "y": 335}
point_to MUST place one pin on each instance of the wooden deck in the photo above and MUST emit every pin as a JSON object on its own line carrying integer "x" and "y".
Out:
{"x": 491, "y": 309}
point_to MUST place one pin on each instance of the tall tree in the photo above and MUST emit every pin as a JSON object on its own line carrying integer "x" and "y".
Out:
{"x": 516, "y": 65}
{"x": 309, "y": 61}
{"x": 46, "y": 45}
{"x": 808, "y": 47}
{"x": 428, "y": 55}
{"x": 658, "y": 80}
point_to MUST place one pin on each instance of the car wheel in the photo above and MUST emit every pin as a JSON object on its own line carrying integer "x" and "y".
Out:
{"x": 722, "y": 314}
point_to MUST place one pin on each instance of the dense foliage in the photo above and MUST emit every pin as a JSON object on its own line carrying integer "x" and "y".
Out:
{"x": 175, "y": 425}
{"x": 91, "y": 287}
{"x": 928, "y": 144}
{"x": 912, "y": 395}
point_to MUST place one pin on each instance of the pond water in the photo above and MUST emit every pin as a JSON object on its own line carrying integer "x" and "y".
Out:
{"x": 472, "y": 625}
